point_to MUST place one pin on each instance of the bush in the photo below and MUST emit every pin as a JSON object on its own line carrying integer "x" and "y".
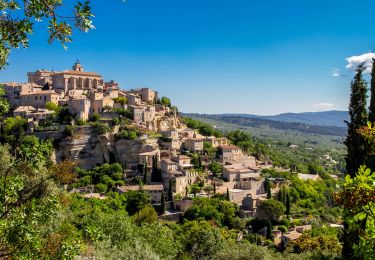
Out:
{"x": 101, "y": 129}
{"x": 282, "y": 228}
{"x": 100, "y": 187}
{"x": 95, "y": 117}
{"x": 80, "y": 122}
{"x": 52, "y": 106}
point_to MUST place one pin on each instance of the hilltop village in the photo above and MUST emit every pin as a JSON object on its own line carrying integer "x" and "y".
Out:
{"x": 94, "y": 122}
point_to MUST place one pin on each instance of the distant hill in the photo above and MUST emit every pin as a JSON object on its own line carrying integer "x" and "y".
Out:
{"x": 326, "y": 118}
{"x": 276, "y": 124}
{"x": 317, "y": 136}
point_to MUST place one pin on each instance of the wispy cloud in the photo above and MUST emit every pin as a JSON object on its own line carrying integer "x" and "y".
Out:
{"x": 354, "y": 61}
{"x": 324, "y": 106}
{"x": 336, "y": 72}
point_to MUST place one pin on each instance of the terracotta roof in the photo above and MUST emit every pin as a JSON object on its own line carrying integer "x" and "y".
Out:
{"x": 229, "y": 147}
{"x": 83, "y": 73}
{"x": 40, "y": 92}
{"x": 169, "y": 161}
{"x": 151, "y": 187}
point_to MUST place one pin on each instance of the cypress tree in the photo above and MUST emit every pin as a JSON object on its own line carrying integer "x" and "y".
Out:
{"x": 170, "y": 191}
{"x": 269, "y": 230}
{"x": 214, "y": 188}
{"x": 145, "y": 174}
{"x": 228, "y": 198}
{"x": 269, "y": 194}
{"x": 287, "y": 204}
{"x": 356, "y": 150}
{"x": 371, "y": 115}
{"x": 162, "y": 203}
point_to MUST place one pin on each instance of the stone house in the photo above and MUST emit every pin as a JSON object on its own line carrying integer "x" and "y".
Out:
{"x": 81, "y": 106}
{"x": 193, "y": 145}
{"x": 153, "y": 190}
{"x": 39, "y": 99}
{"x": 215, "y": 141}
{"x": 230, "y": 153}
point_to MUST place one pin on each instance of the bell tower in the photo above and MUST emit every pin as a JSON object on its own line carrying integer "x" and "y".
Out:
{"x": 77, "y": 66}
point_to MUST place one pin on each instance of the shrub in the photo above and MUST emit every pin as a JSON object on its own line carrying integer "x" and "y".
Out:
{"x": 282, "y": 228}
{"x": 100, "y": 187}
{"x": 95, "y": 117}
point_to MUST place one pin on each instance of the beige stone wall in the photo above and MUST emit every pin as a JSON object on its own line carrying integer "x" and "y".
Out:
{"x": 39, "y": 100}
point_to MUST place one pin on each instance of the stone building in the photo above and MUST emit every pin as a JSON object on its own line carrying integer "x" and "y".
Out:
{"x": 39, "y": 99}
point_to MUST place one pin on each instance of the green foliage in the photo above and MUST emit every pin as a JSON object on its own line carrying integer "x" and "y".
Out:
{"x": 52, "y": 106}
{"x": 216, "y": 168}
{"x": 120, "y": 100}
{"x": 272, "y": 209}
{"x": 12, "y": 130}
{"x": 241, "y": 139}
{"x": 200, "y": 239}
{"x": 17, "y": 26}
{"x": 128, "y": 135}
{"x": 95, "y": 117}
{"x": 146, "y": 215}
{"x": 358, "y": 198}
{"x": 319, "y": 243}
{"x": 101, "y": 128}
{"x": 222, "y": 212}
{"x": 104, "y": 177}
{"x": 165, "y": 101}
{"x": 136, "y": 201}
{"x": 204, "y": 129}
{"x": 4, "y": 104}
{"x": 35, "y": 151}
{"x": 354, "y": 142}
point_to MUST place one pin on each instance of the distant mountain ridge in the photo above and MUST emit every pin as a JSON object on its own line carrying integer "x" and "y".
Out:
{"x": 326, "y": 118}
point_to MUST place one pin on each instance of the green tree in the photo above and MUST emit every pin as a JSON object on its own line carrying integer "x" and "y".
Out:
{"x": 136, "y": 200}
{"x": 145, "y": 173}
{"x": 35, "y": 151}
{"x": 16, "y": 26}
{"x": 4, "y": 104}
{"x": 200, "y": 239}
{"x": 358, "y": 198}
{"x": 52, "y": 106}
{"x": 215, "y": 168}
{"x": 371, "y": 115}
{"x": 271, "y": 209}
{"x": 228, "y": 197}
{"x": 287, "y": 204}
{"x": 356, "y": 155}
{"x": 146, "y": 215}
{"x": 355, "y": 143}
{"x": 170, "y": 190}
{"x": 165, "y": 101}
{"x": 162, "y": 203}
{"x": 28, "y": 207}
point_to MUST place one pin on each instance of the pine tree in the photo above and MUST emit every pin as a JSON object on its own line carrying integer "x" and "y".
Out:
{"x": 170, "y": 191}
{"x": 356, "y": 150}
{"x": 287, "y": 204}
{"x": 162, "y": 203}
{"x": 371, "y": 116}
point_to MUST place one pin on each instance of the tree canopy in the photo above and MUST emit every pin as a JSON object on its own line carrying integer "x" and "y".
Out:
{"x": 17, "y": 21}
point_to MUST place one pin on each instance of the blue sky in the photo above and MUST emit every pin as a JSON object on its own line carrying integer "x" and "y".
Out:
{"x": 238, "y": 56}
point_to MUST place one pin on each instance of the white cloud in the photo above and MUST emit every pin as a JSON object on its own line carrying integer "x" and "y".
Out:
{"x": 354, "y": 61}
{"x": 324, "y": 106}
{"x": 335, "y": 72}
